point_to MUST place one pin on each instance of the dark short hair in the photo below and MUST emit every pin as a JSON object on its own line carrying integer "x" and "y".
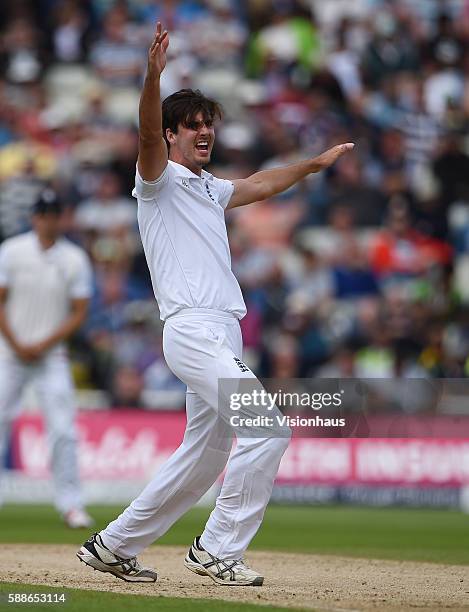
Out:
{"x": 47, "y": 202}
{"x": 181, "y": 107}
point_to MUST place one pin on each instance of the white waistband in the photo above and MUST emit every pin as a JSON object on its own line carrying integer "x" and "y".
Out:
{"x": 196, "y": 312}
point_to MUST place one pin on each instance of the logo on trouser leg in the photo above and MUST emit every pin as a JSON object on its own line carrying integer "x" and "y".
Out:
{"x": 242, "y": 366}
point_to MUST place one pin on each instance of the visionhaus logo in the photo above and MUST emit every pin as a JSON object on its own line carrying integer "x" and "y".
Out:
{"x": 316, "y": 421}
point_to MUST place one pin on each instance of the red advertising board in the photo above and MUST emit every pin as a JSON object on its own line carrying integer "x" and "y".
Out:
{"x": 128, "y": 444}
{"x": 131, "y": 445}
{"x": 377, "y": 461}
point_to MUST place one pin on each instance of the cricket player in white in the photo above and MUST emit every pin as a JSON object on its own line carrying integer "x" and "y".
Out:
{"x": 181, "y": 218}
{"x": 45, "y": 286}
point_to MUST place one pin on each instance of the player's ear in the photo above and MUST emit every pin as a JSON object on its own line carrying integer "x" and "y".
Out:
{"x": 170, "y": 136}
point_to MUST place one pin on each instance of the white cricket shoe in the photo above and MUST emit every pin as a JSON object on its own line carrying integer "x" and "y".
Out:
{"x": 95, "y": 554}
{"x": 232, "y": 572}
{"x": 77, "y": 518}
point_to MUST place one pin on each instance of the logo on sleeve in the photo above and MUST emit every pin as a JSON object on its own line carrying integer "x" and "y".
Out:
{"x": 242, "y": 366}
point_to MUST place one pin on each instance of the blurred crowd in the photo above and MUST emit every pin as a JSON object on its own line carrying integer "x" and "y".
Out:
{"x": 360, "y": 271}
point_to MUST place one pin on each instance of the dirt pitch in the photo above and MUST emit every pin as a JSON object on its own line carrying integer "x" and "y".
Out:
{"x": 323, "y": 583}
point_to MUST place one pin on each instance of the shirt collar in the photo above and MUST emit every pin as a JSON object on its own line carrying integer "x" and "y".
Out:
{"x": 183, "y": 171}
{"x": 39, "y": 246}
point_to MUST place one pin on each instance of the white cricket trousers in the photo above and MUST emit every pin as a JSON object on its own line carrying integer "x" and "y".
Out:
{"x": 200, "y": 347}
{"x": 56, "y": 398}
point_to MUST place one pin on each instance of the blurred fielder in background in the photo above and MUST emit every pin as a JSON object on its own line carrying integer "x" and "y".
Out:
{"x": 181, "y": 220}
{"x": 45, "y": 286}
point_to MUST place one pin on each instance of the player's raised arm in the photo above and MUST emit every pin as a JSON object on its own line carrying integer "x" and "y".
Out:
{"x": 152, "y": 151}
{"x": 267, "y": 183}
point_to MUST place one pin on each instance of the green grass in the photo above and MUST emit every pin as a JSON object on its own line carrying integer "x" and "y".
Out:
{"x": 380, "y": 533}
{"x": 97, "y": 601}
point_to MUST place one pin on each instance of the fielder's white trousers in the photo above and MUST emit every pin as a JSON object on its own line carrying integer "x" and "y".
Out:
{"x": 56, "y": 397}
{"x": 200, "y": 347}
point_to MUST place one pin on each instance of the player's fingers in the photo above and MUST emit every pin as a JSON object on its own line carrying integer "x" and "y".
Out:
{"x": 160, "y": 44}
{"x": 153, "y": 45}
{"x": 348, "y": 146}
{"x": 157, "y": 37}
{"x": 165, "y": 41}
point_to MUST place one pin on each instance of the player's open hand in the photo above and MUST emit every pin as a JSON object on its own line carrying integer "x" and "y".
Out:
{"x": 329, "y": 157}
{"x": 157, "y": 51}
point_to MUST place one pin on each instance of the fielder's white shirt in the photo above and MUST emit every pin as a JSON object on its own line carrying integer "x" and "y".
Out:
{"x": 182, "y": 224}
{"x": 41, "y": 283}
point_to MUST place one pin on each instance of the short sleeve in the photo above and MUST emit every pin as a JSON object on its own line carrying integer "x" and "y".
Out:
{"x": 4, "y": 266}
{"x": 148, "y": 190}
{"x": 225, "y": 190}
{"x": 82, "y": 284}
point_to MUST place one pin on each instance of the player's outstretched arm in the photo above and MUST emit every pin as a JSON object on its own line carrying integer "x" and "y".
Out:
{"x": 152, "y": 151}
{"x": 268, "y": 183}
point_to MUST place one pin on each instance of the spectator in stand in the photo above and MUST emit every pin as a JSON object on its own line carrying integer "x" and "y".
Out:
{"x": 386, "y": 169}
{"x": 445, "y": 85}
{"x": 376, "y": 360}
{"x": 22, "y": 55}
{"x": 444, "y": 45}
{"x": 109, "y": 214}
{"x": 451, "y": 169}
{"x": 117, "y": 59}
{"x": 285, "y": 358}
{"x": 17, "y": 197}
{"x": 127, "y": 388}
{"x": 290, "y": 39}
{"x": 347, "y": 186}
{"x": 400, "y": 251}
{"x": 421, "y": 130}
{"x": 71, "y": 32}
{"x": 314, "y": 288}
{"x": 352, "y": 277}
{"x": 432, "y": 357}
{"x": 158, "y": 377}
{"x": 344, "y": 63}
{"x": 389, "y": 52}
{"x": 218, "y": 36}
{"x": 330, "y": 241}
{"x": 341, "y": 365}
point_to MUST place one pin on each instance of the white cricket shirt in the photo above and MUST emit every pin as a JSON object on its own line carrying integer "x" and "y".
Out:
{"x": 182, "y": 224}
{"x": 41, "y": 283}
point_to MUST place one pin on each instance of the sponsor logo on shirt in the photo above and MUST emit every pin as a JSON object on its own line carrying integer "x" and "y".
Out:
{"x": 242, "y": 366}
